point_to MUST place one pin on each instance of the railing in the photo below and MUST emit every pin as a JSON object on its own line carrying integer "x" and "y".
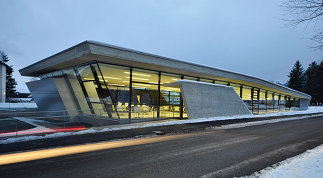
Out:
{"x": 22, "y": 122}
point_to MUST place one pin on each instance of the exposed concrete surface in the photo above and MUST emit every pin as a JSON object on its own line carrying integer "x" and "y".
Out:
{"x": 304, "y": 103}
{"x": 212, "y": 153}
{"x": 46, "y": 95}
{"x": 88, "y": 51}
{"x": 210, "y": 100}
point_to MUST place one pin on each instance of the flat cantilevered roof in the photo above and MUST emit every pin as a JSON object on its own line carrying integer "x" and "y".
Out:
{"x": 89, "y": 51}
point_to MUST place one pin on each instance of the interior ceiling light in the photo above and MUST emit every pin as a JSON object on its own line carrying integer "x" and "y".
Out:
{"x": 113, "y": 78}
{"x": 138, "y": 78}
{"x": 133, "y": 73}
{"x": 116, "y": 84}
{"x": 140, "y": 84}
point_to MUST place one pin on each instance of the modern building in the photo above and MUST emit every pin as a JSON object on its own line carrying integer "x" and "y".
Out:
{"x": 93, "y": 78}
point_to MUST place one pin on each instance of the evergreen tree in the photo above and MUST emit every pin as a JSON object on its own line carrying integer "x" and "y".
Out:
{"x": 296, "y": 77}
{"x": 311, "y": 82}
{"x": 320, "y": 83}
{"x": 10, "y": 81}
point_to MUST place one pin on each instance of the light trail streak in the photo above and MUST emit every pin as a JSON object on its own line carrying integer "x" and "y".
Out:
{"x": 55, "y": 152}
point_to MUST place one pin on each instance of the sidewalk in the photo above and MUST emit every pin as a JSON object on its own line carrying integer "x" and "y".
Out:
{"x": 43, "y": 131}
{"x": 148, "y": 129}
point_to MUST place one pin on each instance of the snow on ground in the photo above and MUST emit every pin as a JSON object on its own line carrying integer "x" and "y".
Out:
{"x": 17, "y": 105}
{"x": 110, "y": 128}
{"x": 307, "y": 164}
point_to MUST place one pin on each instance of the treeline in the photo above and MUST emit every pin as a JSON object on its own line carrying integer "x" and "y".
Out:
{"x": 309, "y": 81}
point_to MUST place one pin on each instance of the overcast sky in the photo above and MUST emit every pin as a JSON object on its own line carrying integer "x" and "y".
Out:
{"x": 242, "y": 36}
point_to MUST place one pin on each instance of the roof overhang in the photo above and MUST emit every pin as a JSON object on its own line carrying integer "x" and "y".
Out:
{"x": 89, "y": 51}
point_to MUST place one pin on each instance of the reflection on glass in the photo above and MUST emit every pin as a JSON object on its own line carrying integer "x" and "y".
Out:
{"x": 110, "y": 93}
{"x": 236, "y": 88}
{"x": 168, "y": 78}
{"x": 282, "y": 103}
{"x": 85, "y": 73}
{"x": 117, "y": 79}
{"x": 262, "y": 102}
{"x": 276, "y": 102}
{"x": 246, "y": 97}
{"x": 144, "y": 101}
{"x": 295, "y": 104}
{"x": 255, "y": 99}
{"x": 78, "y": 93}
{"x": 170, "y": 107}
{"x": 145, "y": 96}
{"x": 270, "y": 102}
{"x": 144, "y": 76}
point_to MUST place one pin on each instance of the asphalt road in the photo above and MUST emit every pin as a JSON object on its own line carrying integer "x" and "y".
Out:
{"x": 209, "y": 153}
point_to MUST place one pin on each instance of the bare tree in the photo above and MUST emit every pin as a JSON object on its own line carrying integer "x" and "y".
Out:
{"x": 309, "y": 12}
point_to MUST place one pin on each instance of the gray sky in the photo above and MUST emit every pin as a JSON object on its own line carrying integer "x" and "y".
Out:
{"x": 241, "y": 36}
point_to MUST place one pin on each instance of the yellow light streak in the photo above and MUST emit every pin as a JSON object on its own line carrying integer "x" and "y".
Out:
{"x": 55, "y": 152}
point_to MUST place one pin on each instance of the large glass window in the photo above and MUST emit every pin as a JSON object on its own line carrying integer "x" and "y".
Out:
{"x": 236, "y": 88}
{"x": 145, "y": 94}
{"x": 76, "y": 90}
{"x": 282, "y": 103}
{"x": 144, "y": 76}
{"x": 117, "y": 79}
{"x": 270, "y": 102}
{"x": 106, "y": 90}
{"x": 255, "y": 100}
{"x": 262, "y": 102}
{"x": 295, "y": 104}
{"x": 246, "y": 96}
{"x": 86, "y": 73}
{"x": 170, "y": 96}
{"x": 276, "y": 102}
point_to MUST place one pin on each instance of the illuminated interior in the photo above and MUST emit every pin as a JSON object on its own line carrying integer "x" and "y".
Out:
{"x": 124, "y": 92}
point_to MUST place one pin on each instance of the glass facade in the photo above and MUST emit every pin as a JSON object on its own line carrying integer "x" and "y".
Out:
{"x": 124, "y": 92}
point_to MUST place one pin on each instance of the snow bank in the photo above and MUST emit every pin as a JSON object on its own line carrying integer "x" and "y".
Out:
{"x": 177, "y": 122}
{"x": 17, "y": 105}
{"x": 307, "y": 164}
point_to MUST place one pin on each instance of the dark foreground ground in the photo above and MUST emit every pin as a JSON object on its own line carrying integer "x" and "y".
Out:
{"x": 208, "y": 153}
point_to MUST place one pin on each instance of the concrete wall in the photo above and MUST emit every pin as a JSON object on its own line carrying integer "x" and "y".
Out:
{"x": 304, "y": 103}
{"x": 2, "y": 83}
{"x": 53, "y": 95}
{"x": 204, "y": 100}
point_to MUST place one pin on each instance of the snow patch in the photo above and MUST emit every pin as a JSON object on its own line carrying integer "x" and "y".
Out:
{"x": 17, "y": 105}
{"x": 307, "y": 164}
{"x": 311, "y": 110}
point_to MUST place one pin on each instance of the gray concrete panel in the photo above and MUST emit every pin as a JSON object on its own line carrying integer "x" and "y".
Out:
{"x": 53, "y": 95}
{"x": 203, "y": 100}
{"x": 304, "y": 103}
{"x": 46, "y": 95}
